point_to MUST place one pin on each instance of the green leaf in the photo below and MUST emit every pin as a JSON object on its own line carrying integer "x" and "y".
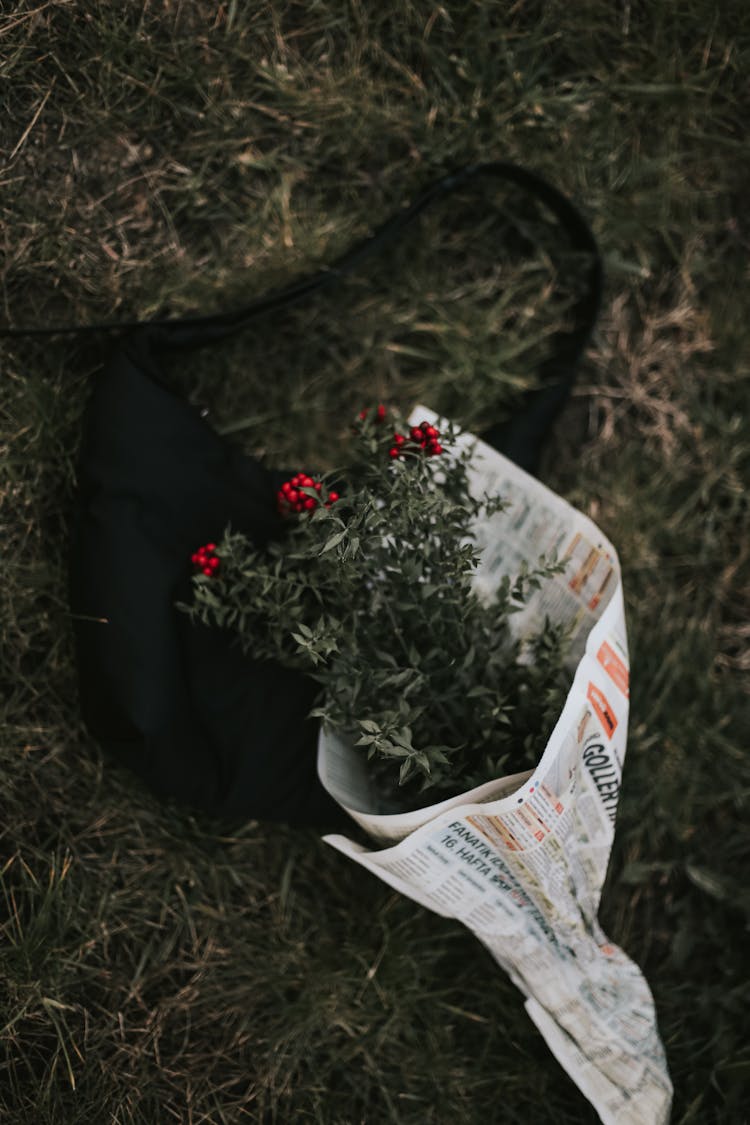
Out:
{"x": 406, "y": 769}
{"x": 332, "y": 541}
{"x": 393, "y": 751}
{"x": 438, "y": 755}
{"x": 399, "y": 678}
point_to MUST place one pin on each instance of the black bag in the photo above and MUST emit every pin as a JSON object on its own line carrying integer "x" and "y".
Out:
{"x": 177, "y": 703}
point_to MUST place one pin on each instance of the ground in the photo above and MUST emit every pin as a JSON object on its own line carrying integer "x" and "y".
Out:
{"x": 165, "y": 156}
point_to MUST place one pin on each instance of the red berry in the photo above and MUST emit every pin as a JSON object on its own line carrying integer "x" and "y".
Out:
{"x": 214, "y": 562}
{"x": 317, "y": 486}
{"x": 310, "y": 503}
{"x": 436, "y": 448}
{"x": 380, "y": 412}
{"x": 393, "y": 452}
{"x": 416, "y": 433}
{"x": 307, "y": 482}
{"x": 362, "y": 415}
{"x": 333, "y": 497}
{"x": 207, "y": 571}
{"x": 430, "y": 431}
{"x": 210, "y": 547}
{"x": 398, "y": 439}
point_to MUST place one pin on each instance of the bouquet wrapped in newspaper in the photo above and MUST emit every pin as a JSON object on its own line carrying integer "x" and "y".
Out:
{"x": 467, "y": 628}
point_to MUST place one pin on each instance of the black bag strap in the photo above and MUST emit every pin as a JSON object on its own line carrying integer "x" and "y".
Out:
{"x": 198, "y": 331}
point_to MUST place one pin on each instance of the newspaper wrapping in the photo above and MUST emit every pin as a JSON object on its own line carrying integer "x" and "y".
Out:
{"x": 521, "y": 860}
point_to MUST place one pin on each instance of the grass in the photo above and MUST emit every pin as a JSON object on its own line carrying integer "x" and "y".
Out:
{"x": 160, "y": 967}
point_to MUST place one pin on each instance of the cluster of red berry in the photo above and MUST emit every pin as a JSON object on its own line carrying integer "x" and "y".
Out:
{"x": 380, "y": 413}
{"x": 205, "y": 560}
{"x": 424, "y": 436}
{"x": 291, "y": 497}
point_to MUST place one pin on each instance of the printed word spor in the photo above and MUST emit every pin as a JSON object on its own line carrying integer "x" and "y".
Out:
{"x": 424, "y": 437}
{"x": 295, "y": 495}
{"x": 205, "y": 560}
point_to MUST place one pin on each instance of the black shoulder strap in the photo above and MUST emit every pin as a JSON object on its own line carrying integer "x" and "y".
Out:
{"x": 198, "y": 331}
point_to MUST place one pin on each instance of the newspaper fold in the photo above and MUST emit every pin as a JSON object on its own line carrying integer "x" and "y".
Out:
{"x": 521, "y": 860}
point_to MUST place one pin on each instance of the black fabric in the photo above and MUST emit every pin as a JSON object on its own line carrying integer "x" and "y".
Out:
{"x": 176, "y": 703}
